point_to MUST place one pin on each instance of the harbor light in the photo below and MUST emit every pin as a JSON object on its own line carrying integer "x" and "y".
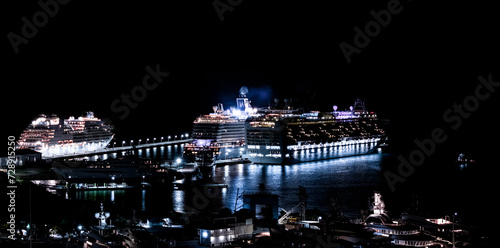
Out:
{"x": 80, "y": 227}
{"x": 178, "y": 160}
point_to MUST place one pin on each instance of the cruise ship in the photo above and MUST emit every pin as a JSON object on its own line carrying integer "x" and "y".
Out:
{"x": 220, "y": 135}
{"x": 290, "y": 135}
{"x": 54, "y": 136}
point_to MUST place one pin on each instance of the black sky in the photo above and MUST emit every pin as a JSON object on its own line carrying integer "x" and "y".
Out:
{"x": 90, "y": 53}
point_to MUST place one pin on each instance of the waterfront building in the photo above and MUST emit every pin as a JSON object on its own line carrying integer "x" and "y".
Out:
{"x": 410, "y": 231}
{"x": 23, "y": 157}
{"x": 223, "y": 231}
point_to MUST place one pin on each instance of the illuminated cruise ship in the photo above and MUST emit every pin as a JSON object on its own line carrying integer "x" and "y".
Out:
{"x": 54, "y": 136}
{"x": 288, "y": 135}
{"x": 220, "y": 135}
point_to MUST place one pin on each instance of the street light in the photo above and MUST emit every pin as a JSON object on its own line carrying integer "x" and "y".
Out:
{"x": 123, "y": 143}
{"x": 186, "y": 135}
{"x": 453, "y": 230}
{"x": 147, "y": 140}
{"x": 161, "y": 140}
{"x": 131, "y": 142}
{"x": 140, "y": 141}
{"x": 154, "y": 139}
{"x": 169, "y": 138}
{"x": 114, "y": 143}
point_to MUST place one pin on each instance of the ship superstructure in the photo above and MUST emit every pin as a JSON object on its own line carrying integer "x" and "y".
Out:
{"x": 276, "y": 136}
{"x": 54, "y": 136}
{"x": 221, "y": 134}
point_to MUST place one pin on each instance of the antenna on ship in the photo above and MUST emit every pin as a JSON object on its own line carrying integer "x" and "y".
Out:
{"x": 243, "y": 91}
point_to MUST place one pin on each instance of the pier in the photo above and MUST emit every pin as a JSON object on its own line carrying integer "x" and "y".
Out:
{"x": 118, "y": 149}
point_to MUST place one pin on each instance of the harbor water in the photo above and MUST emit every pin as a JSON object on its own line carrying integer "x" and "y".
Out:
{"x": 349, "y": 181}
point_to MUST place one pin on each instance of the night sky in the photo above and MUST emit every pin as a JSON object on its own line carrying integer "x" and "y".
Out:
{"x": 86, "y": 55}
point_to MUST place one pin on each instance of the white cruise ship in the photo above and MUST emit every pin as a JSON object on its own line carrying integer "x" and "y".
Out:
{"x": 54, "y": 136}
{"x": 290, "y": 135}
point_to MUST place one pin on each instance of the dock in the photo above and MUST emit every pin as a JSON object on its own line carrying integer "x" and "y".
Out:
{"x": 118, "y": 149}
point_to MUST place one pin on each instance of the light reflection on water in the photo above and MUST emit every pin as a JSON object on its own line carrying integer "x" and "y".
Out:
{"x": 101, "y": 195}
{"x": 351, "y": 180}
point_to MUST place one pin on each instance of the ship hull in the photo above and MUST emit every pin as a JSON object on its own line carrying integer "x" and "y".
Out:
{"x": 320, "y": 152}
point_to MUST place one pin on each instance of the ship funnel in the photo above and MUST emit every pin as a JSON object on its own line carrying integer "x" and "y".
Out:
{"x": 220, "y": 108}
{"x": 359, "y": 105}
{"x": 242, "y": 102}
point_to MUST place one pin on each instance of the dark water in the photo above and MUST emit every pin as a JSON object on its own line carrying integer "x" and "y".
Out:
{"x": 351, "y": 181}
{"x": 437, "y": 188}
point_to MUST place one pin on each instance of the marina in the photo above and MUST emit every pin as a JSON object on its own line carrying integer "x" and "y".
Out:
{"x": 271, "y": 176}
